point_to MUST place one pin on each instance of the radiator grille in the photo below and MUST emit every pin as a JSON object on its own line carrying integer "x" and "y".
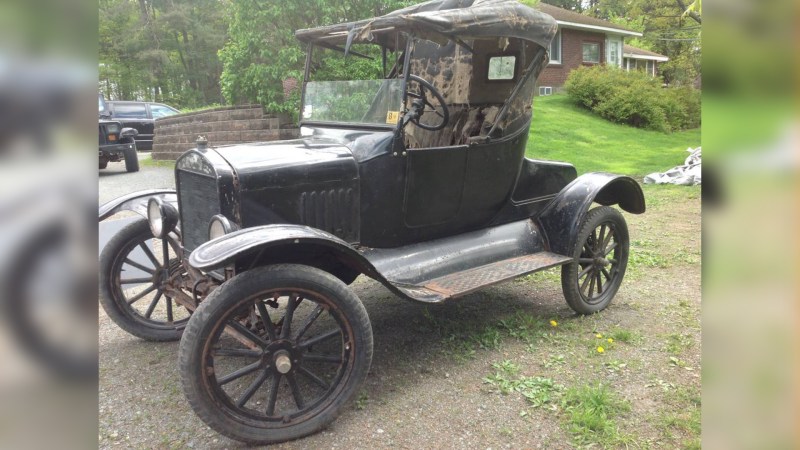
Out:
{"x": 199, "y": 202}
{"x": 333, "y": 210}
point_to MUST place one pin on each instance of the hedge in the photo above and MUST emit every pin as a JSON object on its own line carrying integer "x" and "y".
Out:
{"x": 634, "y": 98}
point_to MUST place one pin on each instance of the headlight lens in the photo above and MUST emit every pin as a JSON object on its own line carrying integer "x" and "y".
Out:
{"x": 219, "y": 226}
{"x": 155, "y": 217}
{"x": 163, "y": 217}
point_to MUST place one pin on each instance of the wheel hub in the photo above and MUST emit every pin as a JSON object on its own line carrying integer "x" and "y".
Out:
{"x": 600, "y": 262}
{"x": 282, "y": 361}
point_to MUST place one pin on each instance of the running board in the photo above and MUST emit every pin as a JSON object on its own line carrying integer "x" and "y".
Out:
{"x": 467, "y": 281}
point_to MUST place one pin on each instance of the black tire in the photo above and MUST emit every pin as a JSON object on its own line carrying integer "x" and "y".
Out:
{"x": 600, "y": 256}
{"x": 133, "y": 317}
{"x": 131, "y": 159}
{"x": 339, "y": 372}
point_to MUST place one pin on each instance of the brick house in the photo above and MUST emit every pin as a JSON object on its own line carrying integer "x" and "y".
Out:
{"x": 583, "y": 41}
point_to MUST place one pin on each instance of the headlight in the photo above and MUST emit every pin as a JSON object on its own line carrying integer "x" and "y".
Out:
{"x": 219, "y": 226}
{"x": 162, "y": 217}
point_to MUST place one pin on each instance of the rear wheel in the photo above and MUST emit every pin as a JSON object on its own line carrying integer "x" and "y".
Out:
{"x": 275, "y": 353}
{"x": 600, "y": 255}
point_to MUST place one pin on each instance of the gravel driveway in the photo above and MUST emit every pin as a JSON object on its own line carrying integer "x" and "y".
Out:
{"x": 428, "y": 387}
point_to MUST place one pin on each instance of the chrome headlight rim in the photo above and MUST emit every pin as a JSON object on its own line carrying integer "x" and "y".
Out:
{"x": 162, "y": 217}
{"x": 219, "y": 226}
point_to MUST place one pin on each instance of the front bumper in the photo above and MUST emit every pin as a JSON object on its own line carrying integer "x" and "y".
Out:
{"x": 115, "y": 151}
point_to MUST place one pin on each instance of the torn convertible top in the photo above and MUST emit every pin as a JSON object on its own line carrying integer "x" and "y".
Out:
{"x": 448, "y": 19}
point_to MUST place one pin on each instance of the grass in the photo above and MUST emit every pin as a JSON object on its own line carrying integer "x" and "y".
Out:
{"x": 563, "y": 131}
{"x": 591, "y": 415}
{"x": 150, "y": 162}
{"x": 539, "y": 391}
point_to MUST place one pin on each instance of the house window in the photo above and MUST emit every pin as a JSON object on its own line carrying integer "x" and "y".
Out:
{"x": 555, "y": 49}
{"x": 651, "y": 68}
{"x": 545, "y": 90}
{"x": 502, "y": 67}
{"x": 591, "y": 52}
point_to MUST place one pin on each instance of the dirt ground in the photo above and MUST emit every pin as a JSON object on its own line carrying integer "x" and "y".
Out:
{"x": 487, "y": 371}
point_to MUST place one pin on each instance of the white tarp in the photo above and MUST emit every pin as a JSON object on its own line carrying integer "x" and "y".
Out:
{"x": 689, "y": 174}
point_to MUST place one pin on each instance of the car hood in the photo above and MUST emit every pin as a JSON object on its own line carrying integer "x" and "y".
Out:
{"x": 285, "y": 163}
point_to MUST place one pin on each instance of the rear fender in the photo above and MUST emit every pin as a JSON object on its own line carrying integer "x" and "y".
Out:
{"x": 284, "y": 243}
{"x": 562, "y": 218}
{"x": 137, "y": 202}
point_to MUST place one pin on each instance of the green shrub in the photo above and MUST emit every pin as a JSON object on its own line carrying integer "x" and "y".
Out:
{"x": 634, "y": 98}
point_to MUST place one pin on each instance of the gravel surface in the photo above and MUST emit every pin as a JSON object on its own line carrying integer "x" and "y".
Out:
{"x": 116, "y": 182}
{"x": 426, "y": 387}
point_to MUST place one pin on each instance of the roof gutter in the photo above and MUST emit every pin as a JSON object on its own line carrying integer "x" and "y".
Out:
{"x": 597, "y": 28}
{"x": 647, "y": 57}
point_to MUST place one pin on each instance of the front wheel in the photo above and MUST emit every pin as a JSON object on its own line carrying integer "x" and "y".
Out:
{"x": 133, "y": 284}
{"x": 131, "y": 159}
{"x": 600, "y": 258}
{"x": 275, "y": 353}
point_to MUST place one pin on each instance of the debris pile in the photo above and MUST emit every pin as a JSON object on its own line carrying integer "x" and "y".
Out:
{"x": 689, "y": 174}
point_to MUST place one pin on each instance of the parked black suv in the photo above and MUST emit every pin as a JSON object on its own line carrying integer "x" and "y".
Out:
{"x": 141, "y": 116}
{"x": 116, "y": 142}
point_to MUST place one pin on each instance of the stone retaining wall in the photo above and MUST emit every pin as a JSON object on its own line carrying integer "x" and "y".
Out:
{"x": 223, "y": 125}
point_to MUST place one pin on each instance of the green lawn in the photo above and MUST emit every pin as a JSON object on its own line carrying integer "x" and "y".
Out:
{"x": 562, "y": 131}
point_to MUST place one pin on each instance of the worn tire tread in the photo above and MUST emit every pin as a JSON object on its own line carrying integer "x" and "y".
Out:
{"x": 568, "y": 274}
{"x": 187, "y": 354}
{"x": 110, "y": 306}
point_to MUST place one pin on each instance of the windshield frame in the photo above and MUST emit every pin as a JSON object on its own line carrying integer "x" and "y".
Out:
{"x": 358, "y": 125}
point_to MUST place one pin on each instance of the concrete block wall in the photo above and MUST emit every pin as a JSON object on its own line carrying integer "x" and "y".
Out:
{"x": 222, "y": 125}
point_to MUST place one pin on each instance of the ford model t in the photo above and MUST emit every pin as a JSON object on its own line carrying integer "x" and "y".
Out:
{"x": 415, "y": 178}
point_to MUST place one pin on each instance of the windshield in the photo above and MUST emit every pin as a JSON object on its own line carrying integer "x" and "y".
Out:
{"x": 372, "y": 102}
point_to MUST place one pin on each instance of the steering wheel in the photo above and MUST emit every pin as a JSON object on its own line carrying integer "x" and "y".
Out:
{"x": 422, "y": 101}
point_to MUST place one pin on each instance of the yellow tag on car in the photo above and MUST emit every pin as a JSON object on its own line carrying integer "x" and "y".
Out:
{"x": 392, "y": 117}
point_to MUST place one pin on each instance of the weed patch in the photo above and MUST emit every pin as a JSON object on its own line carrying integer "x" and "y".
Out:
{"x": 590, "y": 414}
{"x": 539, "y": 391}
{"x": 678, "y": 343}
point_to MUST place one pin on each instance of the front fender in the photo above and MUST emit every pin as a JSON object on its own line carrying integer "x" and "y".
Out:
{"x": 227, "y": 249}
{"x": 562, "y": 218}
{"x": 136, "y": 201}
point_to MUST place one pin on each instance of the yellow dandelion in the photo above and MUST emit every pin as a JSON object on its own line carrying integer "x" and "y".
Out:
{"x": 598, "y": 336}
{"x": 553, "y": 323}
{"x": 610, "y": 341}
{"x": 600, "y": 350}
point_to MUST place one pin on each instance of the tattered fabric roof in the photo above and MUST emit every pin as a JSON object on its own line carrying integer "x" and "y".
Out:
{"x": 438, "y": 19}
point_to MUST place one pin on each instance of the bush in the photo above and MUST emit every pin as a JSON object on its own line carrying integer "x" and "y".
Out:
{"x": 634, "y": 98}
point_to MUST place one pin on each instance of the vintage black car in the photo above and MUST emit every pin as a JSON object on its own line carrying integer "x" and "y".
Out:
{"x": 116, "y": 142}
{"x": 416, "y": 178}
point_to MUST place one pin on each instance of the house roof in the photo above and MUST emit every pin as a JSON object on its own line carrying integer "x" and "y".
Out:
{"x": 629, "y": 51}
{"x": 572, "y": 19}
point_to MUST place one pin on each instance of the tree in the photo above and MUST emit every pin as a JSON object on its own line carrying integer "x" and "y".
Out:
{"x": 262, "y": 52}
{"x": 573, "y": 5}
{"x": 666, "y": 30}
{"x": 161, "y": 50}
